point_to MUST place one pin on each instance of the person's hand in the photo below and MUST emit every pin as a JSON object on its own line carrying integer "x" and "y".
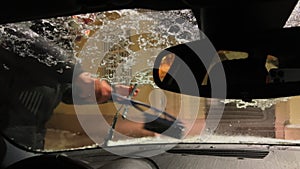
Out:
{"x": 100, "y": 88}
{"x": 103, "y": 90}
{"x": 124, "y": 90}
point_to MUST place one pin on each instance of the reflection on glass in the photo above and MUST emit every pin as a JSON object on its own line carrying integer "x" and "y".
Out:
{"x": 230, "y": 55}
{"x": 165, "y": 65}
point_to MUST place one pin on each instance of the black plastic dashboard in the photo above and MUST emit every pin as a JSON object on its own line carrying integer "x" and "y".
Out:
{"x": 187, "y": 156}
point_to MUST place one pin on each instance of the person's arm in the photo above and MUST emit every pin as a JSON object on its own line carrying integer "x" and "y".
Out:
{"x": 35, "y": 54}
{"x": 93, "y": 90}
{"x": 47, "y": 63}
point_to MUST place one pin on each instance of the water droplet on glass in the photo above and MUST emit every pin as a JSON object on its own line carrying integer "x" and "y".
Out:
{"x": 60, "y": 71}
{"x": 5, "y": 67}
{"x": 174, "y": 29}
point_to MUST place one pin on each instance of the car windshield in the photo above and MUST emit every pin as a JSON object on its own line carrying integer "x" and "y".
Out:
{"x": 120, "y": 47}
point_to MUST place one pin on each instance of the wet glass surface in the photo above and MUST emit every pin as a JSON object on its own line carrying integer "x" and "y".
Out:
{"x": 120, "y": 47}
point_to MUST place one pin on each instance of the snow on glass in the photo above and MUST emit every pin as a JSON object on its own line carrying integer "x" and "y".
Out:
{"x": 27, "y": 39}
{"x": 123, "y": 47}
{"x": 114, "y": 30}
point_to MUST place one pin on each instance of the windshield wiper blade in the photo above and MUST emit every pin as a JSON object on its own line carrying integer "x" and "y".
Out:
{"x": 167, "y": 125}
{"x": 164, "y": 126}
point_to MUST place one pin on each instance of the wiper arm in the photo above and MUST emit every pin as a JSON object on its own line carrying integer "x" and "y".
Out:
{"x": 126, "y": 106}
{"x": 168, "y": 125}
{"x": 115, "y": 119}
{"x": 138, "y": 105}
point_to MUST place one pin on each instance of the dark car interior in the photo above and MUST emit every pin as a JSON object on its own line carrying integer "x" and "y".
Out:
{"x": 252, "y": 26}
